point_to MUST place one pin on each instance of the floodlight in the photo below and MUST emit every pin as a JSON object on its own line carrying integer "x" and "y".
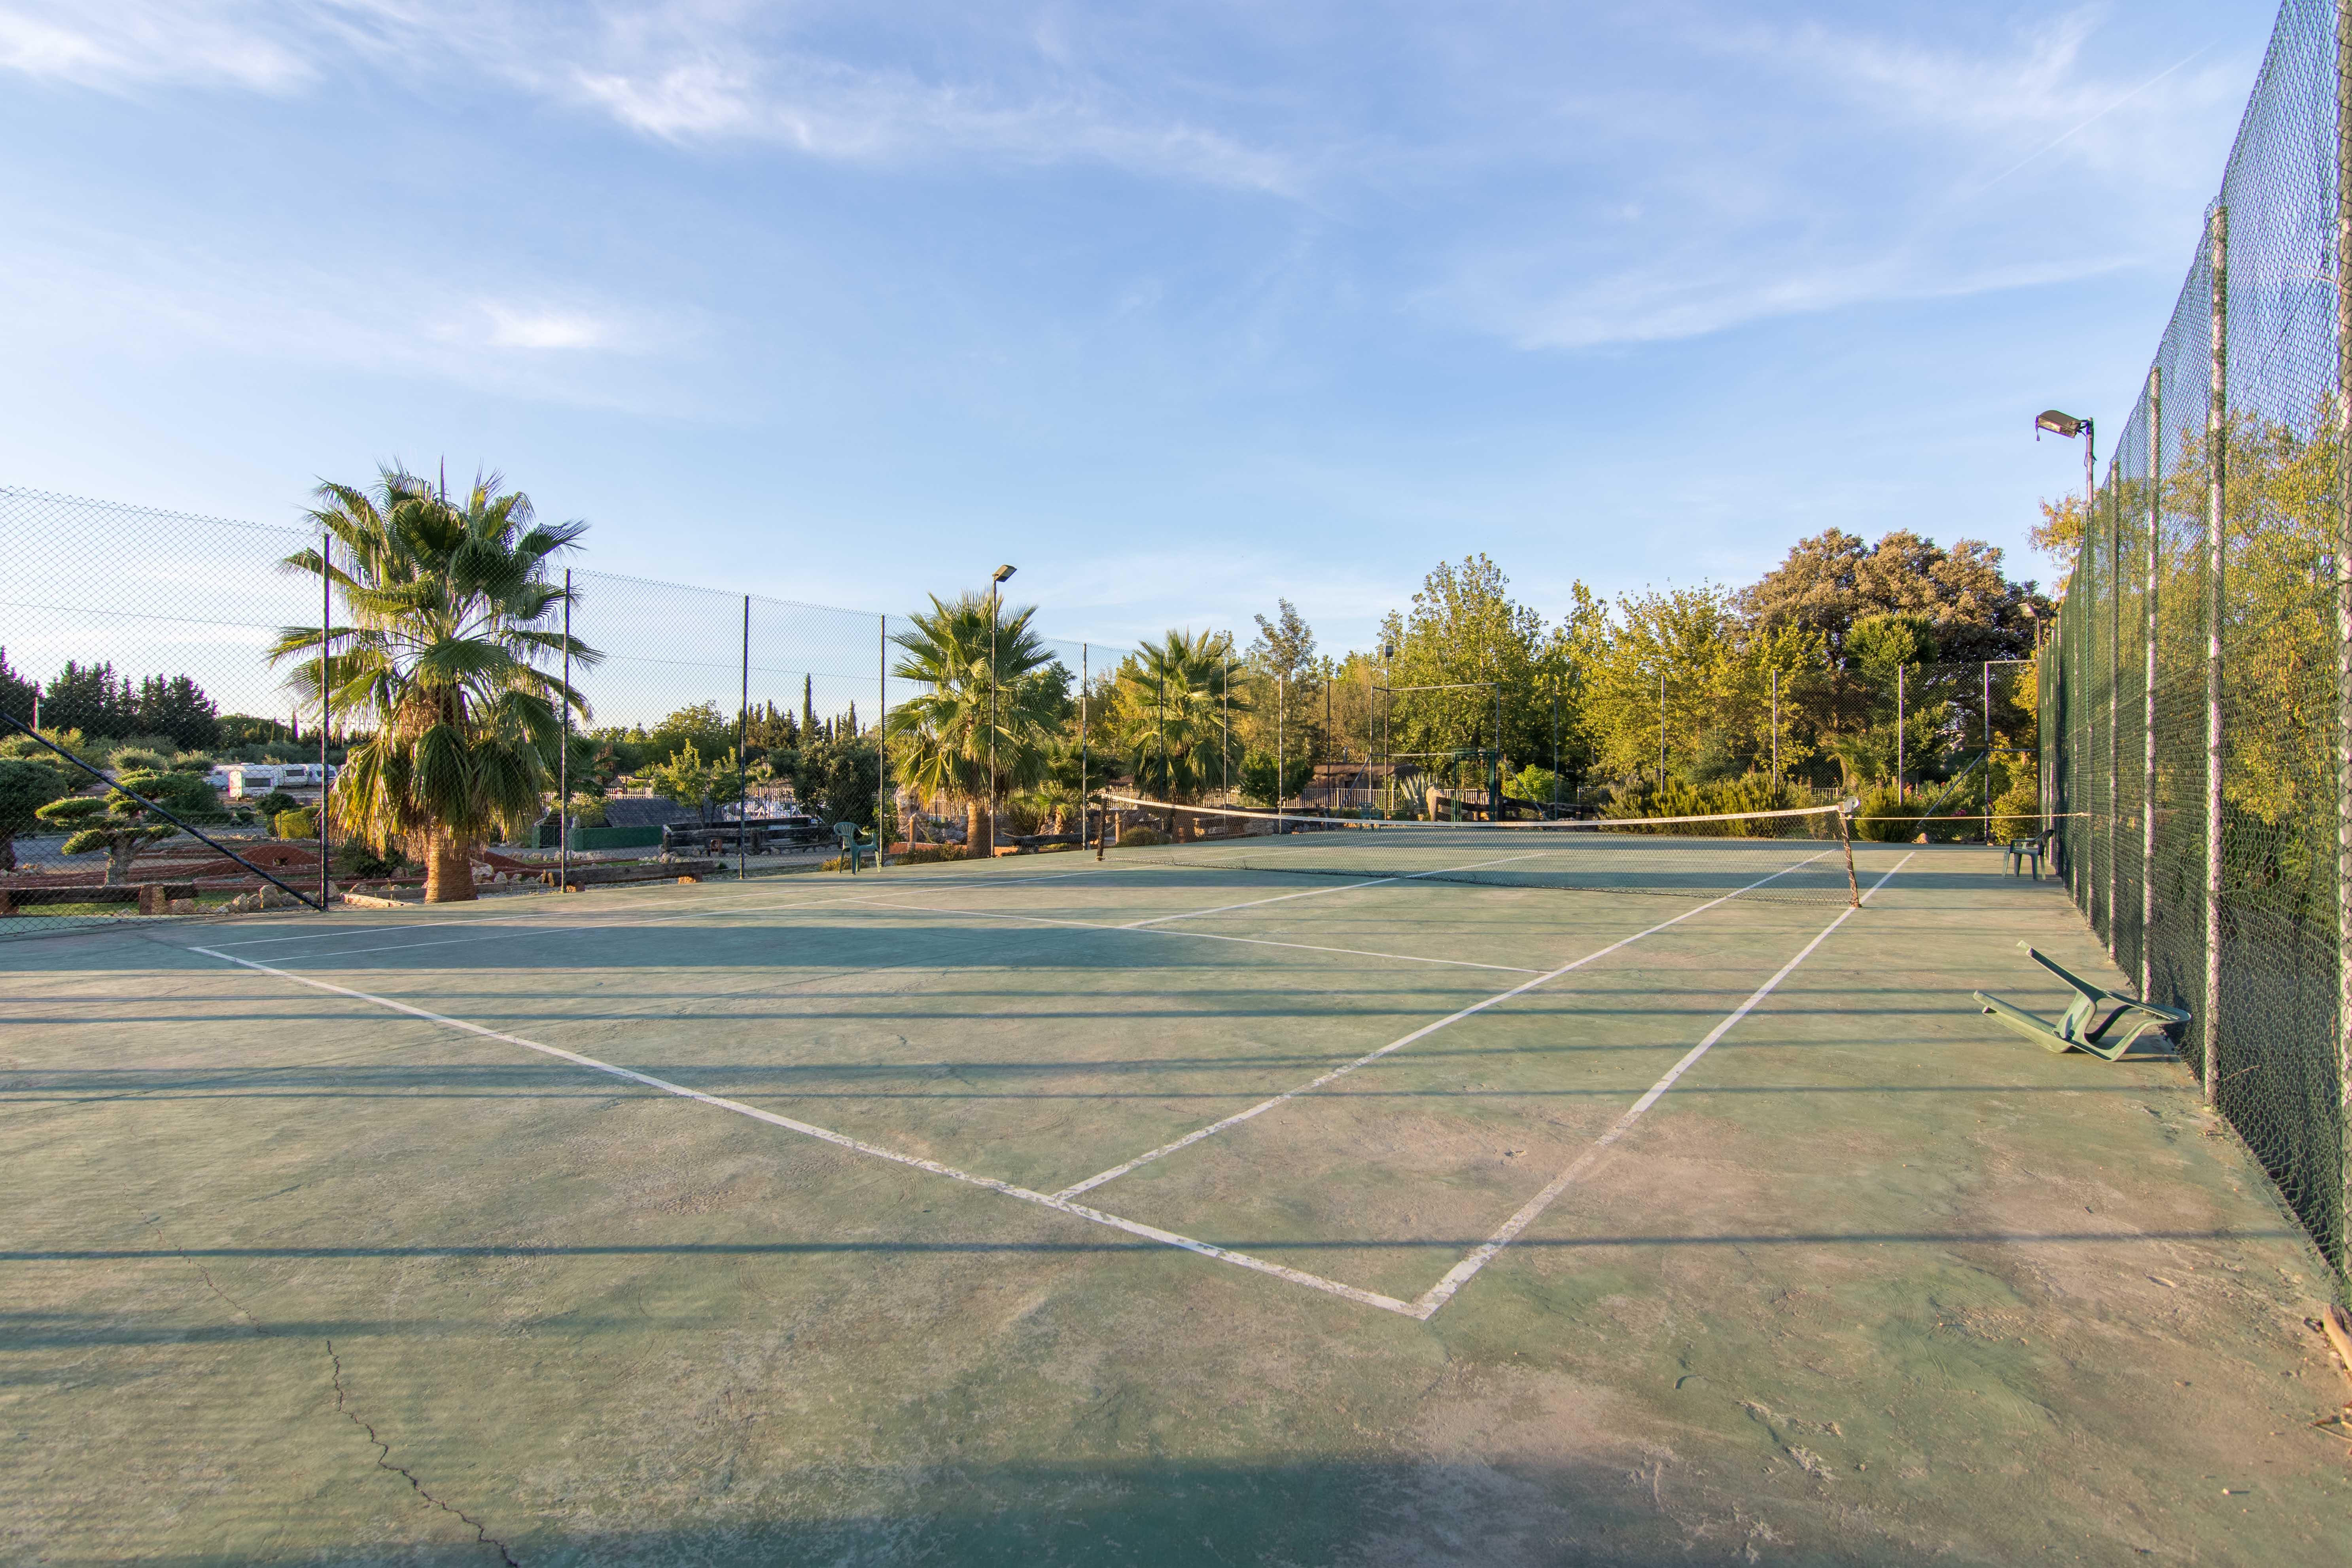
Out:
{"x": 2059, "y": 423}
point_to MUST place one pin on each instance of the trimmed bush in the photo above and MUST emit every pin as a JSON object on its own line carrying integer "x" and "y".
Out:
{"x": 302, "y": 823}
{"x": 1141, "y": 838}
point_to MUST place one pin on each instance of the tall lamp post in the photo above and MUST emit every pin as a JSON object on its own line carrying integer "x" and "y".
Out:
{"x": 995, "y": 578}
{"x": 2069, "y": 426}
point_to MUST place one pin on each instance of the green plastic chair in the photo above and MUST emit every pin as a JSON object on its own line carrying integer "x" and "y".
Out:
{"x": 852, "y": 850}
{"x": 2077, "y": 1031}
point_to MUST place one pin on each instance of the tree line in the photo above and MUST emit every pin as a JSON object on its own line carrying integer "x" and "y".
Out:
{"x": 447, "y": 638}
{"x": 1888, "y": 668}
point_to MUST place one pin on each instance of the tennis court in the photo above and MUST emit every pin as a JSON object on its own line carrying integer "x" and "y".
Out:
{"x": 1161, "y": 1208}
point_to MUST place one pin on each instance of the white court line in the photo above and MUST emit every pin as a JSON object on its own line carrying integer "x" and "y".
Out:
{"x": 1423, "y": 1033}
{"x": 1339, "y": 890}
{"x": 1252, "y": 903}
{"x": 843, "y": 895}
{"x": 1199, "y": 936}
{"x": 842, "y": 1140}
{"x": 1438, "y": 1295}
{"x": 529, "y": 930}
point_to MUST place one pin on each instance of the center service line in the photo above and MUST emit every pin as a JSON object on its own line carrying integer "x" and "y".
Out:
{"x": 1426, "y": 1030}
{"x": 1438, "y": 1295}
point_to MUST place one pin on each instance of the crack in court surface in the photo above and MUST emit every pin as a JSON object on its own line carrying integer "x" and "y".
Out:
{"x": 1419, "y": 1308}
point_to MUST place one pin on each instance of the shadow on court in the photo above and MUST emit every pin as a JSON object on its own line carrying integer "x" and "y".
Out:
{"x": 1137, "y": 1512}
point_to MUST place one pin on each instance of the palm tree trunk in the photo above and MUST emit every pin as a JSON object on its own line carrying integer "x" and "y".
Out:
{"x": 978, "y": 828}
{"x": 448, "y": 870}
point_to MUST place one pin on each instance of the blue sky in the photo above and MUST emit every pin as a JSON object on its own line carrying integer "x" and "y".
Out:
{"x": 1180, "y": 306}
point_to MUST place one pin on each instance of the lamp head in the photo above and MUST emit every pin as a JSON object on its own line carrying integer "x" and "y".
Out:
{"x": 2059, "y": 423}
{"x": 1001, "y": 574}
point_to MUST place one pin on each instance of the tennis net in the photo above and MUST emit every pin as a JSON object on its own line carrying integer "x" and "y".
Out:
{"x": 1802, "y": 855}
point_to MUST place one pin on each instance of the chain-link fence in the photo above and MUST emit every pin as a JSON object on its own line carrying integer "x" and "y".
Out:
{"x": 720, "y": 733}
{"x": 2196, "y": 704}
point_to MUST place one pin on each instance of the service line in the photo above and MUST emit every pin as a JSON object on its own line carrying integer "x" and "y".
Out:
{"x": 1252, "y": 903}
{"x": 844, "y": 1140}
{"x": 1438, "y": 1295}
{"x": 1423, "y": 1033}
{"x": 1196, "y": 935}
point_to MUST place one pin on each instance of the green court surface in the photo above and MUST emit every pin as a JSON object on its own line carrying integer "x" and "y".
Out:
{"x": 1140, "y": 1211}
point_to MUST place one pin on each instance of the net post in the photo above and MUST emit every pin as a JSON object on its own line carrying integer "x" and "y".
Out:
{"x": 2148, "y": 719}
{"x": 1846, "y": 809}
{"x": 2216, "y": 559}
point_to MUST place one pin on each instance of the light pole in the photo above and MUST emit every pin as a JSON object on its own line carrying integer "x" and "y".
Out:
{"x": 2069, "y": 426}
{"x": 994, "y": 578}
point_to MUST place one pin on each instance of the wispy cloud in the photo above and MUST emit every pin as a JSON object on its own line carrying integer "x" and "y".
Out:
{"x": 682, "y": 72}
{"x": 117, "y": 45}
{"x": 513, "y": 328}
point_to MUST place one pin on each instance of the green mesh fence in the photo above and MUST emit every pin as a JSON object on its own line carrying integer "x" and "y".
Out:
{"x": 2192, "y": 700}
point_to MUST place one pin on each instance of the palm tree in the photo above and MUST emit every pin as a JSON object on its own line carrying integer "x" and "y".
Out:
{"x": 1175, "y": 711}
{"x": 939, "y": 740}
{"x": 452, "y": 620}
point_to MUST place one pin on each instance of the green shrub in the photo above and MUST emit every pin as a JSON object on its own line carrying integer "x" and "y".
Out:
{"x": 355, "y": 858}
{"x": 128, "y": 761}
{"x": 2017, "y": 812}
{"x": 276, "y": 801}
{"x": 928, "y": 853}
{"x": 302, "y": 823}
{"x": 1886, "y": 817}
{"x": 1751, "y": 791}
{"x": 1140, "y": 837}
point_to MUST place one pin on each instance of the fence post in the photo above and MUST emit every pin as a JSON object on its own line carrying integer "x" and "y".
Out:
{"x": 2148, "y": 726}
{"x": 2115, "y": 692}
{"x": 326, "y": 698}
{"x": 563, "y": 759}
{"x": 742, "y": 743}
{"x": 882, "y": 744}
{"x": 1086, "y": 652}
{"x": 2216, "y": 557}
{"x": 2344, "y": 633}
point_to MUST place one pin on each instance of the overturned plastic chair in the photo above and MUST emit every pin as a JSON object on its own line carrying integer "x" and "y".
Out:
{"x": 2077, "y": 1031}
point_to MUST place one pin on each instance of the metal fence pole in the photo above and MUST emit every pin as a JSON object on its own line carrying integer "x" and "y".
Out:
{"x": 882, "y": 744}
{"x": 1085, "y": 675}
{"x": 1776, "y": 732}
{"x": 563, "y": 761}
{"x": 742, "y": 743}
{"x": 2344, "y": 633}
{"x": 1987, "y": 751}
{"x": 326, "y": 699}
{"x": 1900, "y": 749}
{"x": 2216, "y": 558}
{"x": 2148, "y": 724}
{"x": 2114, "y": 691}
